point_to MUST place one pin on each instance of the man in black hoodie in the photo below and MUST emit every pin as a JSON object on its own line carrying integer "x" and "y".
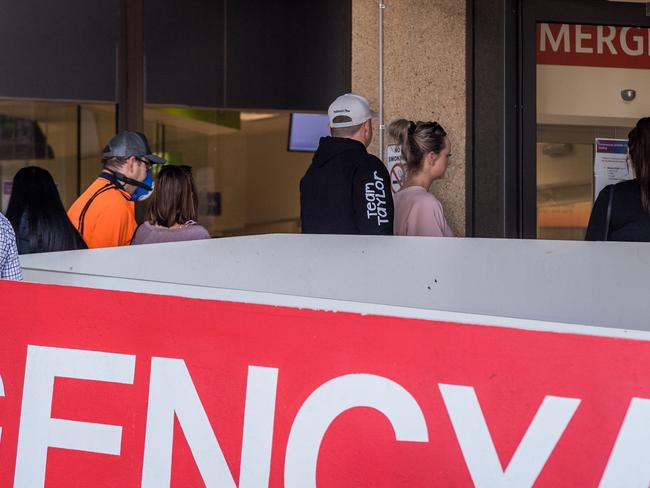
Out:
{"x": 346, "y": 190}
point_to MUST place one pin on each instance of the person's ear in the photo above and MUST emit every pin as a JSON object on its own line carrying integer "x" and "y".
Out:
{"x": 131, "y": 165}
{"x": 433, "y": 158}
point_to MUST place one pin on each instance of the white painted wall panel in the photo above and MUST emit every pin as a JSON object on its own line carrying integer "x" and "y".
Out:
{"x": 601, "y": 284}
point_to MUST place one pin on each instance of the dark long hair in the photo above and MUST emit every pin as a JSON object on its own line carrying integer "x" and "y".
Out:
{"x": 37, "y": 214}
{"x": 174, "y": 199}
{"x": 639, "y": 148}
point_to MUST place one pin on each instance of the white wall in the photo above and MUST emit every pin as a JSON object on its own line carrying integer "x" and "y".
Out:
{"x": 591, "y": 96}
{"x": 555, "y": 281}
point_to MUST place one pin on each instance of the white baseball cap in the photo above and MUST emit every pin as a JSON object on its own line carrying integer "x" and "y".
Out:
{"x": 353, "y": 107}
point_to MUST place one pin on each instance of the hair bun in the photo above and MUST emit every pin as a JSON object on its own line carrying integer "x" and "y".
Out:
{"x": 411, "y": 129}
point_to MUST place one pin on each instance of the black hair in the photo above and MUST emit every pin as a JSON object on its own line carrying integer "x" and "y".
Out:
{"x": 37, "y": 214}
{"x": 639, "y": 148}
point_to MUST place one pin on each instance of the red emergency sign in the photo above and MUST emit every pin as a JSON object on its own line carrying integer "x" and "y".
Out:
{"x": 106, "y": 389}
{"x": 593, "y": 45}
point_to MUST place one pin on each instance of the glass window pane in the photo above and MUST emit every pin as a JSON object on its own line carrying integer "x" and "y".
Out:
{"x": 248, "y": 181}
{"x": 47, "y": 134}
{"x": 582, "y": 71}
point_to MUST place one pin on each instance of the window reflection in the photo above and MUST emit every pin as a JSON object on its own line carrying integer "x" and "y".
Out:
{"x": 565, "y": 177}
{"x": 248, "y": 181}
{"x": 63, "y": 138}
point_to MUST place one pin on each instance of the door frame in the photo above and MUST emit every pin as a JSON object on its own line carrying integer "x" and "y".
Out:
{"x": 501, "y": 197}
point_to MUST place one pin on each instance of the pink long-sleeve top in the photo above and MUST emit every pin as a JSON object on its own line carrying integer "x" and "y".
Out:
{"x": 419, "y": 213}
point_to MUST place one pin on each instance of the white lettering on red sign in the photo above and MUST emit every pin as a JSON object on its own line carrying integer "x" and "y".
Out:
{"x": 332, "y": 399}
{"x": 629, "y": 463}
{"x": 478, "y": 449}
{"x": 588, "y": 45}
{"x": 2, "y": 394}
{"x": 605, "y": 39}
{"x": 172, "y": 394}
{"x": 38, "y": 431}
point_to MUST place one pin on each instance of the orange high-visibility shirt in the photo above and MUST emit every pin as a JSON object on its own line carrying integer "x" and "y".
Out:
{"x": 109, "y": 220}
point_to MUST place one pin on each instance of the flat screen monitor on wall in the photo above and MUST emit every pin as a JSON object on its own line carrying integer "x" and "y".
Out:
{"x": 306, "y": 130}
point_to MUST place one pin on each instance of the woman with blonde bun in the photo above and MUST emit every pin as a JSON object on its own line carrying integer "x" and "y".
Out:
{"x": 426, "y": 150}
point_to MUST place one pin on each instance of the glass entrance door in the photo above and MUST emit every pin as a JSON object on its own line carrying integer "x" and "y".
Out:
{"x": 591, "y": 86}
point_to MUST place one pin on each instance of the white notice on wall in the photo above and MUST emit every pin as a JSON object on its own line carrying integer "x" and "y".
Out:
{"x": 395, "y": 166}
{"x": 610, "y": 163}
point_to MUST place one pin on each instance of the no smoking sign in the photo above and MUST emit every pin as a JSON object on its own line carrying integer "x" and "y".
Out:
{"x": 395, "y": 166}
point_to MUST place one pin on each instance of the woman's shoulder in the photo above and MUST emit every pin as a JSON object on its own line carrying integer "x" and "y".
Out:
{"x": 426, "y": 198}
{"x": 622, "y": 189}
{"x": 142, "y": 232}
{"x": 198, "y": 231}
{"x": 416, "y": 196}
{"x": 626, "y": 186}
{"x": 626, "y": 193}
{"x": 189, "y": 231}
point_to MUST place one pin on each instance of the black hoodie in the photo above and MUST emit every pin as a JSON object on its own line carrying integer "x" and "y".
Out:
{"x": 345, "y": 191}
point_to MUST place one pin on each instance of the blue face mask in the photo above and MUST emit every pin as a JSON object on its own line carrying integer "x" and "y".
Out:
{"x": 144, "y": 193}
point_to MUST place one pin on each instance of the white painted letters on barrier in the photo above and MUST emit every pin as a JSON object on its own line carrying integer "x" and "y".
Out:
{"x": 335, "y": 397}
{"x": 259, "y": 417}
{"x": 478, "y": 449}
{"x": 38, "y": 430}
{"x": 172, "y": 393}
{"x": 2, "y": 394}
{"x": 629, "y": 462}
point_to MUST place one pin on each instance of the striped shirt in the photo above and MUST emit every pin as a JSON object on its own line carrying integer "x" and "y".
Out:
{"x": 9, "y": 263}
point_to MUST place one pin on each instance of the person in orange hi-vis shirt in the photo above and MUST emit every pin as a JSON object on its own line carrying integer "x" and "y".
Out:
{"x": 104, "y": 214}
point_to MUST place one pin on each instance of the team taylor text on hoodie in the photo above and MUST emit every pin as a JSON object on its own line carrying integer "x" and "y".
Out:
{"x": 345, "y": 191}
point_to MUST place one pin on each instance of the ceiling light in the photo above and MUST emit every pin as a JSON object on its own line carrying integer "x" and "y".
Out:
{"x": 253, "y": 116}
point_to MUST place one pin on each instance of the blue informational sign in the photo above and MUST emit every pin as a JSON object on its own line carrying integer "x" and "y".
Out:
{"x": 611, "y": 146}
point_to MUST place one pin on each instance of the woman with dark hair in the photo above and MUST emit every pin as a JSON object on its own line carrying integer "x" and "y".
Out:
{"x": 173, "y": 211}
{"x": 622, "y": 211}
{"x": 37, "y": 214}
{"x": 426, "y": 150}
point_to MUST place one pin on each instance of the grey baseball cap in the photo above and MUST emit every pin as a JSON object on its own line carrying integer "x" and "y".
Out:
{"x": 127, "y": 143}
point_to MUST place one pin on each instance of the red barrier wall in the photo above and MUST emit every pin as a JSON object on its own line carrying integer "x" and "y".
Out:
{"x": 558, "y": 400}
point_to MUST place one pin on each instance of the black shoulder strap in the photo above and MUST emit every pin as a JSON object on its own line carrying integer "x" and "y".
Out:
{"x": 608, "y": 222}
{"x": 82, "y": 215}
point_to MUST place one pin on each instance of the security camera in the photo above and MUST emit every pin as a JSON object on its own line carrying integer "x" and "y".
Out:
{"x": 628, "y": 95}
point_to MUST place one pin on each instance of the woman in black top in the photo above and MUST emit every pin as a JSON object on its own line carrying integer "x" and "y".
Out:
{"x": 37, "y": 214}
{"x": 627, "y": 218}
